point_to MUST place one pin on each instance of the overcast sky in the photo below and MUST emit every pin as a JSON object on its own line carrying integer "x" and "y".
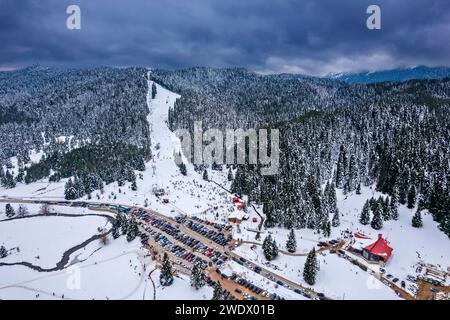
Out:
{"x": 298, "y": 36}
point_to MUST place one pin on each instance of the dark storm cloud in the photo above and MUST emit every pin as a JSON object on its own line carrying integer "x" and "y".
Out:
{"x": 310, "y": 36}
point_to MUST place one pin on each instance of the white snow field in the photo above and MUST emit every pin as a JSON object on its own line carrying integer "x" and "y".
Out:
{"x": 117, "y": 270}
{"x": 43, "y": 240}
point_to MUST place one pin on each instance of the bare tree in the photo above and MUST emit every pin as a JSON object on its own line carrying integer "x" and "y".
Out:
{"x": 45, "y": 209}
{"x": 104, "y": 239}
{"x": 22, "y": 211}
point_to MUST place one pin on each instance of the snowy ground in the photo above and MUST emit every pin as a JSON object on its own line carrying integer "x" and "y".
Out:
{"x": 33, "y": 239}
{"x": 97, "y": 271}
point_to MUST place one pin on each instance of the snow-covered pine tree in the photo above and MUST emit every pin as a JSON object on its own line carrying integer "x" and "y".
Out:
{"x": 217, "y": 293}
{"x": 269, "y": 222}
{"x": 132, "y": 230}
{"x": 198, "y": 275}
{"x": 166, "y": 277}
{"x": 291, "y": 243}
{"x": 205, "y": 175}
{"x": 393, "y": 208}
{"x": 411, "y": 197}
{"x": 377, "y": 220}
{"x": 364, "y": 217}
{"x": 417, "y": 220}
{"x": 358, "y": 188}
{"x": 230, "y": 175}
{"x": 124, "y": 224}
{"x": 386, "y": 209}
{"x": 183, "y": 169}
{"x": 274, "y": 249}
{"x": 267, "y": 247}
{"x": 310, "y": 268}
{"x": 335, "y": 222}
{"x": 154, "y": 91}
{"x": 341, "y": 168}
{"x": 9, "y": 210}
{"x": 115, "y": 230}
{"x": 3, "y": 252}
{"x": 325, "y": 228}
{"x": 70, "y": 193}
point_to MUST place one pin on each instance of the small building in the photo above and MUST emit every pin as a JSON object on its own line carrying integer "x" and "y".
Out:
{"x": 379, "y": 251}
{"x": 236, "y": 216}
{"x": 235, "y": 199}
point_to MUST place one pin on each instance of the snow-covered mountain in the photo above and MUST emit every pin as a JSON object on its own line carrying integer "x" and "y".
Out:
{"x": 395, "y": 75}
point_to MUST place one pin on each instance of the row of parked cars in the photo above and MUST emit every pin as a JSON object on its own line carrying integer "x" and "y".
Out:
{"x": 175, "y": 249}
{"x": 253, "y": 288}
{"x": 217, "y": 237}
{"x": 219, "y": 226}
{"x": 216, "y": 256}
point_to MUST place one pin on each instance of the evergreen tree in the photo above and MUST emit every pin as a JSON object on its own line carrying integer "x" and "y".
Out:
{"x": 70, "y": 192}
{"x": 134, "y": 185}
{"x": 205, "y": 175}
{"x": 269, "y": 222}
{"x": 132, "y": 230}
{"x": 335, "y": 222}
{"x": 364, "y": 218}
{"x": 403, "y": 189}
{"x": 198, "y": 275}
{"x": 116, "y": 228}
{"x": 3, "y": 252}
{"x": 341, "y": 168}
{"x": 326, "y": 229}
{"x": 217, "y": 293}
{"x": 183, "y": 169}
{"x": 310, "y": 268}
{"x": 166, "y": 277}
{"x": 267, "y": 247}
{"x": 7, "y": 180}
{"x": 154, "y": 91}
{"x": 386, "y": 209}
{"x": 377, "y": 220}
{"x": 358, "y": 188}
{"x": 274, "y": 249}
{"x": 270, "y": 248}
{"x": 445, "y": 226}
{"x": 411, "y": 197}
{"x": 417, "y": 220}
{"x": 230, "y": 175}
{"x": 393, "y": 207}
{"x": 124, "y": 223}
{"x": 291, "y": 243}
{"x": 9, "y": 210}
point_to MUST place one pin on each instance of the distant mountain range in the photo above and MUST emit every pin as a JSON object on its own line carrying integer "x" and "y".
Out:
{"x": 420, "y": 72}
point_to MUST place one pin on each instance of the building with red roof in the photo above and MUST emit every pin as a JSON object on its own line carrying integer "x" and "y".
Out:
{"x": 379, "y": 251}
